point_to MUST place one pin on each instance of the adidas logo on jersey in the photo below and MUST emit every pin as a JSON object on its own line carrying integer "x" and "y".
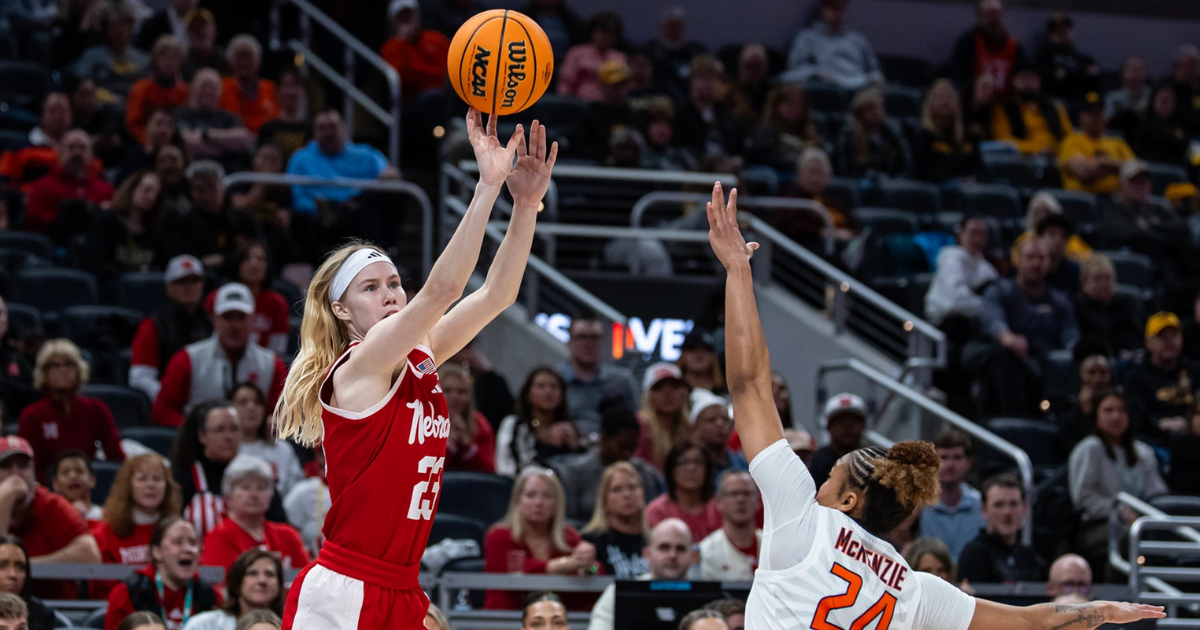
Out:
{"x": 426, "y": 426}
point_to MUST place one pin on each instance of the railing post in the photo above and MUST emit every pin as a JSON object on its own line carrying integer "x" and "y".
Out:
{"x": 305, "y": 30}
{"x": 1135, "y": 535}
{"x": 348, "y": 105}
{"x": 839, "y": 305}
{"x": 532, "y": 287}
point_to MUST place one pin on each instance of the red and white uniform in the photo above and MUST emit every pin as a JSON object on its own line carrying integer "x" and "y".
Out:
{"x": 384, "y": 469}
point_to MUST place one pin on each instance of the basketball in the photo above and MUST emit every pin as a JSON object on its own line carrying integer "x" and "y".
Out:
{"x": 500, "y": 62}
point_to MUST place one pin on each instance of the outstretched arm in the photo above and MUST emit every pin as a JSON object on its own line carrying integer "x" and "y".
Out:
{"x": 747, "y": 361}
{"x": 993, "y": 616}
{"x": 389, "y": 341}
{"x": 527, "y": 184}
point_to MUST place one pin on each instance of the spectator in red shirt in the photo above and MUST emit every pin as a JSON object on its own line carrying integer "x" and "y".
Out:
{"x": 168, "y": 583}
{"x": 25, "y": 163}
{"x": 71, "y": 478}
{"x": 417, "y": 54}
{"x": 63, "y": 419}
{"x": 987, "y": 49}
{"x": 472, "y": 443}
{"x": 164, "y": 89}
{"x": 180, "y": 321}
{"x": 254, "y": 583}
{"x": 207, "y": 370}
{"x": 252, "y": 267}
{"x": 580, "y": 74}
{"x": 50, "y": 528}
{"x": 247, "y": 489}
{"x": 690, "y": 488}
{"x": 246, "y": 93}
{"x": 71, "y": 179}
{"x": 534, "y": 538}
{"x": 142, "y": 495}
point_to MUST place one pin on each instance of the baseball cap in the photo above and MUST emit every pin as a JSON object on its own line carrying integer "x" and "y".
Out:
{"x": 234, "y": 297}
{"x": 199, "y": 14}
{"x": 611, "y": 72}
{"x": 844, "y": 403}
{"x": 660, "y": 372}
{"x": 1160, "y": 321}
{"x": 702, "y": 399}
{"x": 397, "y": 6}
{"x": 698, "y": 337}
{"x": 13, "y": 445}
{"x": 182, "y": 266}
{"x": 1092, "y": 102}
{"x": 799, "y": 440}
{"x": 1134, "y": 168}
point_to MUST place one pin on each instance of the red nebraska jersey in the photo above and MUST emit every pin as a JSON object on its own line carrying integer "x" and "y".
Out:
{"x": 384, "y": 464}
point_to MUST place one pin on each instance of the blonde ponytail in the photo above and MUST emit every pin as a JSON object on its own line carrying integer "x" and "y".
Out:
{"x": 323, "y": 338}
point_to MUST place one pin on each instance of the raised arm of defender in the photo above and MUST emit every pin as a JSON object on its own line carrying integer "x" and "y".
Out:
{"x": 747, "y": 361}
{"x": 993, "y": 616}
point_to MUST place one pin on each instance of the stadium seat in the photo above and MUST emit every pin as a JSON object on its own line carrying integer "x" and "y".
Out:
{"x": 23, "y": 84}
{"x": 1078, "y": 206}
{"x": 456, "y": 527}
{"x": 888, "y": 221}
{"x": 1177, "y": 504}
{"x": 291, "y": 294}
{"x": 1038, "y": 438}
{"x": 902, "y": 102}
{"x": 32, "y": 242}
{"x": 12, "y": 137}
{"x": 475, "y": 495}
{"x": 993, "y": 200}
{"x": 23, "y": 317}
{"x": 1133, "y": 269}
{"x": 1014, "y": 170}
{"x": 130, "y": 407}
{"x": 1163, "y": 175}
{"x": 143, "y": 292}
{"x": 1060, "y": 376}
{"x": 15, "y": 259}
{"x": 911, "y": 195}
{"x": 53, "y": 290}
{"x": 825, "y": 97}
{"x": 102, "y": 329}
{"x": 158, "y": 439}
{"x": 910, "y": 71}
{"x": 95, "y": 619}
{"x": 845, "y": 191}
{"x": 105, "y": 473}
{"x": 465, "y": 599}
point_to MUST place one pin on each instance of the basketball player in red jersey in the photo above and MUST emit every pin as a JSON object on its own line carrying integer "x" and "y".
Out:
{"x": 365, "y": 386}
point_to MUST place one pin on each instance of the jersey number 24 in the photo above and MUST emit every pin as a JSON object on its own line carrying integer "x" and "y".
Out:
{"x": 425, "y": 493}
{"x": 883, "y": 609}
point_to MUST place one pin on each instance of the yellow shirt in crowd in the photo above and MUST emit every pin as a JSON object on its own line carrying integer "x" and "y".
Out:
{"x": 1038, "y": 138}
{"x": 1080, "y": 144}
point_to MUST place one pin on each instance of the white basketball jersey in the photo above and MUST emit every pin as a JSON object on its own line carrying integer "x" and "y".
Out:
{"x": 820, "y": 570}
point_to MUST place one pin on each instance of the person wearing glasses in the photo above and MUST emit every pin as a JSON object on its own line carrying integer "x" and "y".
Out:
{"x": 591, "y": 380}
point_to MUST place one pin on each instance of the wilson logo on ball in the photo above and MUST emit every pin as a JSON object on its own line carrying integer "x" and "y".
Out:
{"x": 500, "y": 62}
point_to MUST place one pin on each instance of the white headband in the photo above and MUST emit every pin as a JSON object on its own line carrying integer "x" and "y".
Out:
{"x": 350, "y": 268}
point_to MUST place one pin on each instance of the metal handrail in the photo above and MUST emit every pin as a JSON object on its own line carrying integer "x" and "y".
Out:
{"x": 615, "y": 173}
{"x": 784, "y": 203}
{"x": 352, "y": 46}
{"x": 847, "y": 284}
{"x": 547, "y": 271}
{"x": 1138, "y": 572}
{"x": 118, "y": 572}
{"x": 1024, "y": 464}
{"x": 1170, "y": 595}
{"x": 386, "y": 185}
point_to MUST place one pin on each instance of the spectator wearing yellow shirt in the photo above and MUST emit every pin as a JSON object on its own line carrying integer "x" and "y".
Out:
{"x": 1042, "y": 205}
{"x": 1032, "y": 121}
{"x": 1089, "y": 159}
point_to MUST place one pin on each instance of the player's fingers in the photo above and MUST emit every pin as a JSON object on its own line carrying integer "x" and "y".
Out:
{"x": 493, "y": 120}
{"x": 541, "y": 141}
{"x": 718, "y": 198}
{"x": 537, "y": 146}
{"x": 753, "y": 245}
{"x": 517, "y": 142}
{"x": 733, "y": 203}
{"x": 471, "y": 128}
{"x": 553, "y": 155}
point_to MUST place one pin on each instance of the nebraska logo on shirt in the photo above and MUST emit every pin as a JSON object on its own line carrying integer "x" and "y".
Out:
{"x": 50, "y": 431}
{"x": 424, "y": 426}
{"x": 135, "y": 555}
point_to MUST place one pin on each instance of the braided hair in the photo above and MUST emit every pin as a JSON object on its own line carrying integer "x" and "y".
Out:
{"x": 895, "y": 482}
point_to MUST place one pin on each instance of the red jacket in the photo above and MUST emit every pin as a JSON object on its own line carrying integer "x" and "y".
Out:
{"x": 175, "y": 396}
{"x": 134, "y": 550}
{"x": 421, "y": 66}
{"x": 481, "y": 456}
{"x": 228, "y": 540}
{"x": 51, "y": 524}
{"x": 499, "y": 543}
{"x": 47, "y": 193}
{"x": 49, "y": 430}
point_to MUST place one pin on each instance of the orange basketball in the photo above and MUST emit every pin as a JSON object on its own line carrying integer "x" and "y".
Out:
{"x": 500, "y": 62}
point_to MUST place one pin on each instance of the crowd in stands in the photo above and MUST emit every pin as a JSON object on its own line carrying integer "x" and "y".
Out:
{"x": 122, "y": 171}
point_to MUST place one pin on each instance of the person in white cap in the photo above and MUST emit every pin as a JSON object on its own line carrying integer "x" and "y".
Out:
{"x": 711, "y": 428}
{"x": 417, "y": 54}
{"x": 179, "y": 322}
{"x": 365, "y": 385}
{"x": 664, "y": 413}
{"x": 208, "y": 369}
{"x": 845, "y": 419}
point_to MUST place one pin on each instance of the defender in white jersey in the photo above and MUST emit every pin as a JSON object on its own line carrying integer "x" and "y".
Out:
{"x": 821, "y": 566}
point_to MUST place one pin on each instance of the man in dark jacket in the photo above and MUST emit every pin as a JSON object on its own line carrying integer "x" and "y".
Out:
{"x": 1104, "y": 315}
{"x": 1160, "y": 388}
{"x": 1134, "y": 222}
{"x": 1067, "y": 72}
{"x": 845, "y": 419}
{"x": 996, "y": 556}
{"x": 987, "y": 49}
{"x": 180, "y": 321}
{"x": 705, "y": 124}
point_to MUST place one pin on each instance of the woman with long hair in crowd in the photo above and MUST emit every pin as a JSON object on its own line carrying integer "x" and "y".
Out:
{"x": 14, "y": 579}
{"x": 129, "y": 238}
{"x": 258, "y": 437}
{"x": 472, "y": 443}
{"x": 699, "y": 363}
{"x": 870, "y": 491}
{"x": 142, "y": 494}
{"x": 533, "y": 537}
{"x": 365, "y": 385}
{"x": 142, "y": 621}
{"x": 540, "y": 427}
{"x": 255, "y": 582}
{"x": 786, "y": 130}
{"x": 664, "y": 413}
{"x": 944, "y": 149}
{"x": 251, "y": 266}
{"x": 691, "y": 488}
{"x": 618, "y": 526}
{"x": 869, "y": 146}
{"x": 63, "y": 418}
{"x": 169, "y": 585}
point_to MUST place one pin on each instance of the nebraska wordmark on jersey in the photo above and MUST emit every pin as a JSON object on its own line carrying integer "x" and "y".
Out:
{"x": 820, "y": 569}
